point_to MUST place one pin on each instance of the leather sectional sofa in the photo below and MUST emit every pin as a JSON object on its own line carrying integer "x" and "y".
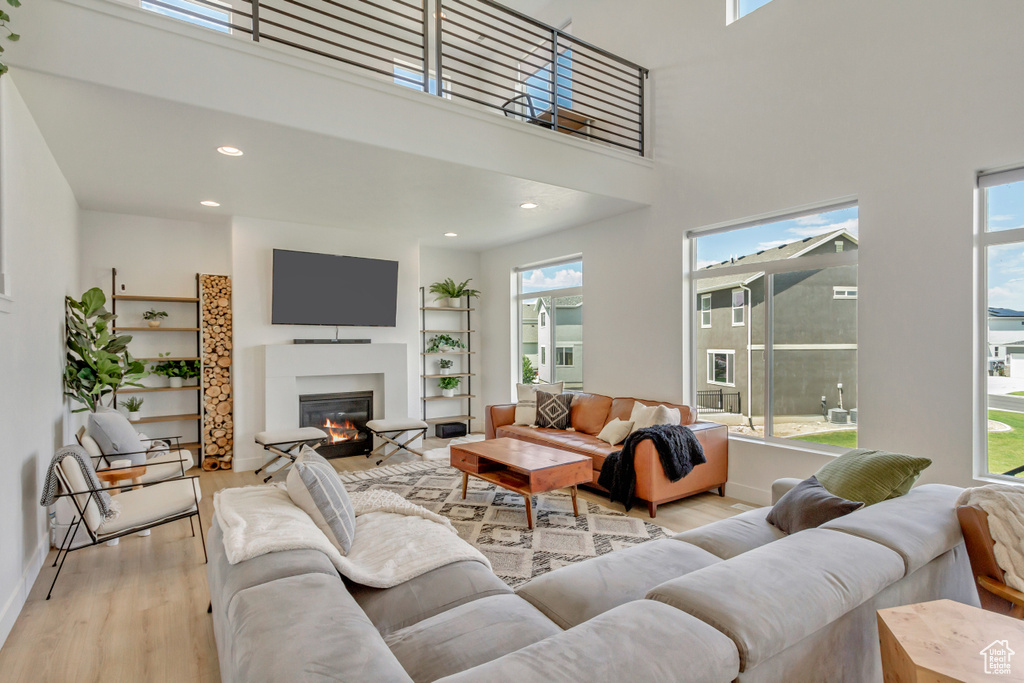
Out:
{"x": 733, "y": 600}
{"x": 591, "y": 412}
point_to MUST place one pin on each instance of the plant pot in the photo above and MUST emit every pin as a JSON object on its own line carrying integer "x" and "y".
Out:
{"x": 177, "y": 382}
{"x": 154, "y": 323}
{"x": 445, "y": 371}
{"x": 133, "y": 415}
{"x": 455, "y": 303}
{"x": 447, "y": 393}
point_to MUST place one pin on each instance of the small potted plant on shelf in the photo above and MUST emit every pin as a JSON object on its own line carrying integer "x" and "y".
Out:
{"x": 153, "y": 317}
{"x": 443, "y": 343}
{"x": 445, "y": 365}
{"x": 132, "y": 405}
{"x": 453, "y": 292}
{"x": 176, "y": 371}
{"x": 449, "y": 385}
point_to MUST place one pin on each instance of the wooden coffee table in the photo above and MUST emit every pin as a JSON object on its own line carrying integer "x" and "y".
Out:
{"x": 523, "y": 467}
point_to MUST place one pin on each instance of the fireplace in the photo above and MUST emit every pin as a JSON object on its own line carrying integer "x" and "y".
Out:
{"x": 343, "y": 416}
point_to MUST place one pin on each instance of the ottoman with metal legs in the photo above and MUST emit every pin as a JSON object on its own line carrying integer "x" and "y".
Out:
{"x": 391, "y": 432}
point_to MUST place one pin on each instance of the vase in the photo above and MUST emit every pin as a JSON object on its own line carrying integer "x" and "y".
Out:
{"x": 455, "y": 303}
{"x": 177, "y": 382}
{"x": 154, "y": 323}
{"x": 133, "y": 415}
{"x": 447, "y": 393}
{"x": 445, "y": 371}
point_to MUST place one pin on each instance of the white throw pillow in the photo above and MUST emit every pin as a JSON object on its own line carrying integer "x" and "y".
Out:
{"x": 314, "y": 485}
{"x": 644, "y": 416}
{"x": 526, "y": 405}
{"x": 615, "y": 431}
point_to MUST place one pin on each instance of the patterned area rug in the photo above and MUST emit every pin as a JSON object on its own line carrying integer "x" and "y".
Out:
{"x": 494, "y": 520}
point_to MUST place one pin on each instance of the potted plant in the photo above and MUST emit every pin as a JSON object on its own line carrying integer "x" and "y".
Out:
{"x": 153, "y": 317}
{"x": 443, "y": 343}
{"x": 132, "y": 405}
{"x": 97, "y": 362}
{"x": 453, "y": 292}
{"x": 449, "y": 385}
{"x": 176, "y": 371}
{"x": 445, "y": 365}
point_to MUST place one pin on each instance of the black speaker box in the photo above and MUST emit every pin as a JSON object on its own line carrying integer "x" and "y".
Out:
{"x": 450, "y": 430}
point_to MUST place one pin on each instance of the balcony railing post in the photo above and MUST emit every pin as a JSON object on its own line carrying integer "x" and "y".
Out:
{"x": 438, "y": 45}
{"x": 643, "y": 124}
{"x": 554, "y": 81}
{"x": 256, "y": 20}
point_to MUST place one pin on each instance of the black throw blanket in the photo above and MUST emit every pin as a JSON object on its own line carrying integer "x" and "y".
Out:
{"x": 677, "y": 447}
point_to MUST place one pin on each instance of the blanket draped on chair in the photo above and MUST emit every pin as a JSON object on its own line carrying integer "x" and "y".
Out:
{"x": 109, "y": 508}
{"x": 678, "y": 449}
{"x": 1005, "y": 507}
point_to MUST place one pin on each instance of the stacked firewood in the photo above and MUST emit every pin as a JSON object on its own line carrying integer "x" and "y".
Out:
{"x": 218, "y": 421}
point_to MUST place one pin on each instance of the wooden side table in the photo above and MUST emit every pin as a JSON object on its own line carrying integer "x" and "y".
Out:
{"x": 946, "y": 642}
{"x": 114, "y": 477}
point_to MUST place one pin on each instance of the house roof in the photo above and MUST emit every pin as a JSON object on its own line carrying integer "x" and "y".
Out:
{"x": 1004, "y": 313}
{"x": 780, "y": 253}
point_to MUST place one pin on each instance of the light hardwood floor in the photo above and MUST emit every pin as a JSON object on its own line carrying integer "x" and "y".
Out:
{"x": 136, "y": 612}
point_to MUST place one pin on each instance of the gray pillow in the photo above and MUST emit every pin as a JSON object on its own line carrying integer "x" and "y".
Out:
{"x": 115, "y": 436}
{"x": 808, "y": 505}
{"x": 554, "y": 410}
{"x": 314, "y": 485}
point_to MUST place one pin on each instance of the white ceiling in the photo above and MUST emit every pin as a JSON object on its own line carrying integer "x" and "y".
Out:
{"x": 128, "y": 153}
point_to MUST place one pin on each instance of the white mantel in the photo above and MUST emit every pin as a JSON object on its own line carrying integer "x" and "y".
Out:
{"x": 285, "y": 364}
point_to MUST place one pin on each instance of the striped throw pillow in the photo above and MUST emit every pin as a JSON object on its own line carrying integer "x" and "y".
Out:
{"x": 869, "y": 476}
{"x": 314, "y": 485}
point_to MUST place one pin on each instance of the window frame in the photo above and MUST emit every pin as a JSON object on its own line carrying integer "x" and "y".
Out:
{"x": 730, "y": 366}
{"x": 768, "y": 268}
{"x": 741, "y": 308}
{"x": 6, "y": 300}
{"x": 840, "y": 292}
{"x": 519, "y": 296}
{"x": 564, "y": 348}
{"x": 983, "y": 240}
{"x": 703, "y": 311}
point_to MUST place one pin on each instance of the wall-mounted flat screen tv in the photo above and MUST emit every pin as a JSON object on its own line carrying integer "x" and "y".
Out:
{"x": 323, "y": 289}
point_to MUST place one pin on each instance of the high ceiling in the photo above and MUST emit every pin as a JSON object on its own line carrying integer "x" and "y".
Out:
{"x": 128, "y": 153}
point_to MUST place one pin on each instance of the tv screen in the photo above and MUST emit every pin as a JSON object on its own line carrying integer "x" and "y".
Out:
{"x": 322, "y": 289}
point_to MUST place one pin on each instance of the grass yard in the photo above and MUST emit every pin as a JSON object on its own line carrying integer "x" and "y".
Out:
{"x": 1006, "y": 449}
{"x": 1017, "y": 393}
{"x": 846, "y": 438}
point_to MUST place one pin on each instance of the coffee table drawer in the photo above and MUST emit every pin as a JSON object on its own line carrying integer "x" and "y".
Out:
{"x": 470, "y": 462}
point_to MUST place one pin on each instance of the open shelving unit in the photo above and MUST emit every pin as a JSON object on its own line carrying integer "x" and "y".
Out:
{"x": 193, "y": 419}
{"x": 430, "y": 324}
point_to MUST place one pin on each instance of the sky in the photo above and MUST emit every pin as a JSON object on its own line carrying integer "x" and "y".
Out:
{"x": 726, "y": 245}
{"x": 748, "y": 6}
{"x": 553, "y": 277}
{"x": 1006, "y": 263}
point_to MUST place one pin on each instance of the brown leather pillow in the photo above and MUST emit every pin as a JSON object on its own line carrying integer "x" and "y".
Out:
{"x": 590, "y": 412}
{"x": 808, "y": 505}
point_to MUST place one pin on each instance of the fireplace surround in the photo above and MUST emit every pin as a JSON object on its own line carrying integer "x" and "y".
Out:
{"x": 343, "y": 416}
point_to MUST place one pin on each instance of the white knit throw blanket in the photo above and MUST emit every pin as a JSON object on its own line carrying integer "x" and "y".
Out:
{"x": 395, "y": 540}
{"x": 1005, "y": 507}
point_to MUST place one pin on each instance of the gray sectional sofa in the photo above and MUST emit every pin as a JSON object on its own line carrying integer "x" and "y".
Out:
{"x": 733, "y": 600}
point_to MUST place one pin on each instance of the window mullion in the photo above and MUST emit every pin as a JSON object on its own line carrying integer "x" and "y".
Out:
{"x": 768, "y": 353}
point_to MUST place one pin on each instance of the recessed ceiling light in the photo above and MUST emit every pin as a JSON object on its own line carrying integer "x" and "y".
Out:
{"x": 209, "y": 202}
{"x": 528, "y": 205}
{"x": 451, "y": 234}
{"x": 230, "y": 151}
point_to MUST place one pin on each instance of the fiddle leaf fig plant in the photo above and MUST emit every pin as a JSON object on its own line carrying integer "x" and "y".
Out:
{"x": 11, "y": 35}
{"x": 98, "y": 362}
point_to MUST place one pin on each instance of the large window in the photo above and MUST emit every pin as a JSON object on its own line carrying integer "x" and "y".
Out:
{"x": 550, "y": 305}
{"x": 198, "y": 13}
{"x": 1001, "y": 251}
{"x": 787, "y": 365}
{"x": 736, "y": 9}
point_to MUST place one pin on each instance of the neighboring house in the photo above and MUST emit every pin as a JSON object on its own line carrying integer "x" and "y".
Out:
{"x": 554, "y": 343}
{"x": 1005, "y": 340}
{"x": 815, "y": 327}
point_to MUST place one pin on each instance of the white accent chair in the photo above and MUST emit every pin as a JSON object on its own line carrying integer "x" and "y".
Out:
{"x": 173, "y": 462}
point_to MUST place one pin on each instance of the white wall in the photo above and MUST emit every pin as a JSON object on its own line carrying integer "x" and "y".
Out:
{"x": 253, "y": 242}
{"x": 897, "y": 103}
{"x": 40, "y": 242}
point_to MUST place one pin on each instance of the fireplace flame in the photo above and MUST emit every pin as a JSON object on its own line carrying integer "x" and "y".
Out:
{"x": 344, "y": 431}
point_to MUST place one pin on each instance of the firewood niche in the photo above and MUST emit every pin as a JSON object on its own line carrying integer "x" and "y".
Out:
{"x": 218, "y": 413}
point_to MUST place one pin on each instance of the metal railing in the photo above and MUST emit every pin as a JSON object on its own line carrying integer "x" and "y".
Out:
{"x": 477, "y": 51}
{"x": 717, "y": 401}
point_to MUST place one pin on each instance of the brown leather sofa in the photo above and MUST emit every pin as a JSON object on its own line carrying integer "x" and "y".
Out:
{"x": 590, "y": 413}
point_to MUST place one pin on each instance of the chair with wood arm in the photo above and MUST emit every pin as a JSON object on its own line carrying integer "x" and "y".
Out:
{"x": 164, "y": 465}
{"x": 993, "y": 592}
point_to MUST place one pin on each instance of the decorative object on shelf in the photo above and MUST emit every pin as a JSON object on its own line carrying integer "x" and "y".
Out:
{"x": 443, "y": 343}
{"x": 97, "y": 362}
{"x": 449, "y": 385}
{"x": 132, "y": 405}
{"x": 11, "y": 35}
{"x": 449, "y": 289}
{"x": 218, "y": 417}
{"x": 444, "y": 365}
{"x": 153, "y": 317}
{"x": 177, "y": 371}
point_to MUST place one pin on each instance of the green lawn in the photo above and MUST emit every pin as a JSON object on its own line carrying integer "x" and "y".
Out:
{"x": 846, "y": 438}
{"x": 1017, "y": 393}
{"x": 1006, "y": 449}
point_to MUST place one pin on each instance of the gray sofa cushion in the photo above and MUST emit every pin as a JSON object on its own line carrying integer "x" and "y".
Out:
{"x": 919, "y": 526}
{"x": 769, "y": 598}
{"x": 467, "y": 636}
{"x": 573, "y": 594}
{"x": 115, "y": 435}
{"x": 305, "y": 628}
{"x": 442, "y": 589}
{"x": 642, "y": 640}
{"x": 730, "y": 537}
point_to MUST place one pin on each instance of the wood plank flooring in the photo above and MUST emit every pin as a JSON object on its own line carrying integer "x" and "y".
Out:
{"x": 136, "y": 612}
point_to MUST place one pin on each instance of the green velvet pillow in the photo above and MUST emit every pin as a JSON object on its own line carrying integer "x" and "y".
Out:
{"x": 871, "y": 476}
